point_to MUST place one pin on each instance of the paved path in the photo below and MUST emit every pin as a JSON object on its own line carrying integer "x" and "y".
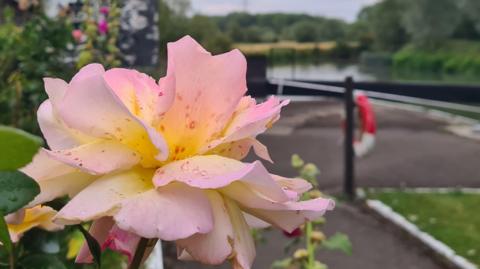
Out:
{"x": 375, "y": 246}
{"x": 413, "y": 150}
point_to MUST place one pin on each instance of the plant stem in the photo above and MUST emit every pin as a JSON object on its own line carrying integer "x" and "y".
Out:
{"x": 12, "y": 257}
{"x": 139, "y": 253}
{"x": 310, "y": 246}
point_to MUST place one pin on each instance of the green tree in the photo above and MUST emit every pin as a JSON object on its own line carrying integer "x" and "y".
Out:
{"x": 383, "y": 21}
{"x": 471, "y": 8}
{"x": 305, "y": 31}
{"x": 330, "y": 30}
{"x": 430, "y": 22}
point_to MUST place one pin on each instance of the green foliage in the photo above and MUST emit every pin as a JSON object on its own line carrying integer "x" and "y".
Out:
{"x": 383, "y": 21}
{"x": 391, "y": 24}
{"x": 472, "y": 10}
{"x": 313, "y": 238}
{"x": 452, "y": 58}
{"x": 307, "y": 171}
{"x": 100, "y": 48}
{"x": 204, "y": 30}
{"x": 252, "y": 28}
{"x": 340, "y": 242}
{"x": 16, "y": 190}
{"x": 28, "y": 53}
{"x": 305, "y": 31}
{"x": 174, "y": 24}
{"x": 4, "y": 235}
{"x": 296, "y": 161}
{"x": 430, "y": 22}
{"x": 42, "y": 261}
{"x": 17, "y": 148}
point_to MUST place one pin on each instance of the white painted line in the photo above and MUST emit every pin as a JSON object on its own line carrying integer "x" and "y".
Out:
{"x": 428, "y": 190}
{"x": 434, "y": 113}
{"x": 437, "y": 246}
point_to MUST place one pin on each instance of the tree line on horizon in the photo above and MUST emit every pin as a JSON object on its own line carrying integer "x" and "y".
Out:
{"x": 385, "y": 26}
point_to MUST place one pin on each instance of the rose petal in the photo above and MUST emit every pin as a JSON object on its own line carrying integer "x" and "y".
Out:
{"x": 140, "y": 93}
{"x": 208, "y": 89}
{"x": 99, "y": 157}
{"x": 56, "y": 89}
{"x": 211, "y": 172}
{"x": 172, "y": 212}
{"x": 254, "y": 222}
{"x": 107, "y": 117}
{"x": 243, "y": 244}
{"x": 68, "y": 184}
{"x": 122, "y": 241}
{"x": 55, "y": 178}
{"x": 88, "y": 71}
{"x": 249, "y": 120}
{"x": 200, "y": 246}
{"x": 58, "y": 135}
{"x": 285, "y": 215}
{"x": 104, "y": 196}
{"x": 239, "y": 149}
{"x": 297, "y": 185}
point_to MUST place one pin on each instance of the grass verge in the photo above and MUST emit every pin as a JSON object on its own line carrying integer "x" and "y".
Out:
{"x": 452, "y": 218}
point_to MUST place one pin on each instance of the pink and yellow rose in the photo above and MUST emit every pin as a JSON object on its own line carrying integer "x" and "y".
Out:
{"x": 163, "y": 160}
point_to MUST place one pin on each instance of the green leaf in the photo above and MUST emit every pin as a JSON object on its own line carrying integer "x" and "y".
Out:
{"x": 4, "y": 234}
{"x": 93, "y": 245}
{"x": 42, "y": 261}
{"x": 17, "y": 148}
{"x": 338, "y": 241}
{"x": 16, "y": 190}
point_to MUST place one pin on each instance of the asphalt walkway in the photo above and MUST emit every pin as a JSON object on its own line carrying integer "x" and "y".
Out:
{"x": 412, "y": 148}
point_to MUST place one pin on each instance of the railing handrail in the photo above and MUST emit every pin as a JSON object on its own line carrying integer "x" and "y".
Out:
{"x": 376, "y": 95}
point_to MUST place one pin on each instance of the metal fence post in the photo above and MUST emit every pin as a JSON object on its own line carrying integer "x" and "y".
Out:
{"x": 349, "y": 184}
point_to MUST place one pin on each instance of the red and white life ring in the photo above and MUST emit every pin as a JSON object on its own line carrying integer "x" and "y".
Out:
{"x": 368, "y": 126}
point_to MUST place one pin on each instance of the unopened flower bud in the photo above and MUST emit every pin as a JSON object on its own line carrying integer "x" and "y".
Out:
{"x": 300, "y": 254}
{"x": 317, "y": 236}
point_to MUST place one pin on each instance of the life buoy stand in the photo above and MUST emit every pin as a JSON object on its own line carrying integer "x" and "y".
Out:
{"x": 368, "y": 127}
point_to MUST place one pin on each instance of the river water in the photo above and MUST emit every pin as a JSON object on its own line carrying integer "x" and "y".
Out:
{"x": 338, "y": 72}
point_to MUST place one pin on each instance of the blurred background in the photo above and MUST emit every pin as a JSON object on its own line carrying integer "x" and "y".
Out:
{"x": 416, "y": 61}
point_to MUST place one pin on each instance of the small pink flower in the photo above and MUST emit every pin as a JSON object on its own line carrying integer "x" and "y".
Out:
{"x": 77, "y": 35}
{"x": 162, "y": 160}
{"x": 104, "y": 10}
{"x": 103, "y": 27}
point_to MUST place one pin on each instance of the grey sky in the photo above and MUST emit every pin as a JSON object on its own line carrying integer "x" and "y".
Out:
{"x": 343, "y": 9}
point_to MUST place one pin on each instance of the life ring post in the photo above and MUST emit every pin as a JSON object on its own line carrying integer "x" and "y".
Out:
{"x": 349, "y": 153}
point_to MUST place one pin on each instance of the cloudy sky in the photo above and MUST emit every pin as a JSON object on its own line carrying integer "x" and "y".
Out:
{"x": 343, "y": 9}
